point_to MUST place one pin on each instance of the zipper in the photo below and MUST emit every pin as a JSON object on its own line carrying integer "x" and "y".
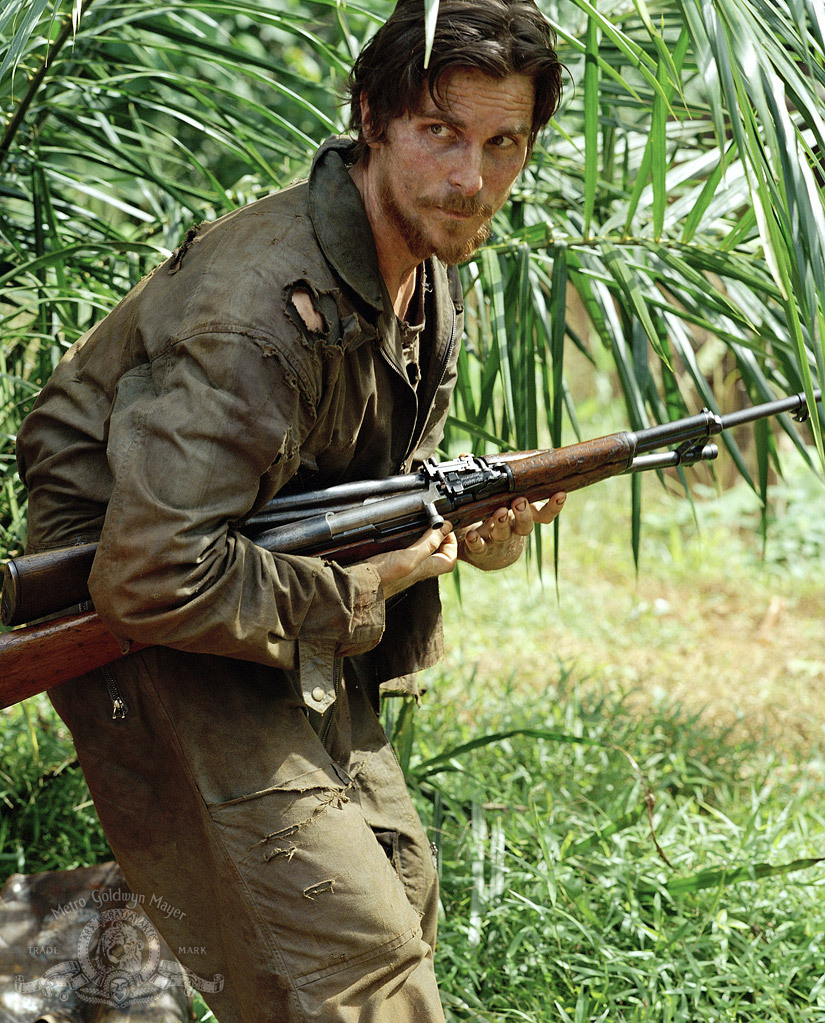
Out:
{"x": 326, "y": 722}
{"x": 445, "y": 360}
{"x": 119, "y": 708}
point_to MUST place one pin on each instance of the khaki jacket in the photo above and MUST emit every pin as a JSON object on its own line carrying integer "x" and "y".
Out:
{"x": 202, "y": 395}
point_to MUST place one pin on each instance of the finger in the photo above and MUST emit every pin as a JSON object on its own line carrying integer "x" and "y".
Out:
{"x": 407, "y": 560}
{"x": 431, "y": 542}
{"x": 447, "y": 554}
{"x": 522, "y": 516}
{"x": 500, "y": 525}
{"x": 432, "y": 553}
{"x": 549, "y": 510}
{"x": 438, "y": 561}
{"x": 474, "y": 542}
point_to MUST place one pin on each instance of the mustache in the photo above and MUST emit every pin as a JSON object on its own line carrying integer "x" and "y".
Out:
{"x": 467, "y": 205}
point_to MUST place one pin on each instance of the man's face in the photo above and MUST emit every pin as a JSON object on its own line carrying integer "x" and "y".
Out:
{"x": 442, "y": 172}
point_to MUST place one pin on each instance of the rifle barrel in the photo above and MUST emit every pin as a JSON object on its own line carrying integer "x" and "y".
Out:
{"x": 670, "y": 459}
{"x": 707, "y": 424}
{"x": 793, "y": 403}
{"x": 344, "y": 494}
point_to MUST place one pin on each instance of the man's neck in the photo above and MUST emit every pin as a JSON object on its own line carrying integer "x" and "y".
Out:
{"x": 401, "y": 302}
{"x": 397, "y": 264}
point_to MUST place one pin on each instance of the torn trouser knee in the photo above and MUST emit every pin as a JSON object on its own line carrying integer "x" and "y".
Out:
{"x": 330, "y": 904}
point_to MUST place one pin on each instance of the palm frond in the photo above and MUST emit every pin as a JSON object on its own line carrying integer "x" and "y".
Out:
{"x": 675, "y": 205}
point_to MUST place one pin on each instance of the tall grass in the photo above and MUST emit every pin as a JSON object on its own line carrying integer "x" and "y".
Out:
{"x": 640, "y": 869}
{"x": 47, "y": 819}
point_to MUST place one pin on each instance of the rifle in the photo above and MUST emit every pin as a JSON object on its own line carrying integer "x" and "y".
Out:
{"x": 345, "y": 523}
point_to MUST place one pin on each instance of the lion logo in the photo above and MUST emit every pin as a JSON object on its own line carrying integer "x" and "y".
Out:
{"x": 118, "y": 963}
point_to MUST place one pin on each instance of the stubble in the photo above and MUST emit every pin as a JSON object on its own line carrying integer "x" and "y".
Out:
{"x": 417, "y": 239}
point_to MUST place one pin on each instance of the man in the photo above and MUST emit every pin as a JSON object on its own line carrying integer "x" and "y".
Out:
{"x": 237, "y": 764}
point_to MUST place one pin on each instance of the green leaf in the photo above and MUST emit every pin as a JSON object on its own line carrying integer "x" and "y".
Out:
{"x": 722, "y": 877}
{"x": 430, "y": 21}
{"x": 591, "y": 122}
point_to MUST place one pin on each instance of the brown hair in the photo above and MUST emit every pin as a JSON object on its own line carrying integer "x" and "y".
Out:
{"x": 496, "y": 37}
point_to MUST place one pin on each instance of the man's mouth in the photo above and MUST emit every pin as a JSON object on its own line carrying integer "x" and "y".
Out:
{"x": 460, "y": 208}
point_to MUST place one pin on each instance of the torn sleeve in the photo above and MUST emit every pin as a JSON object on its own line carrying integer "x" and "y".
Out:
{"x": 191, "y": 436}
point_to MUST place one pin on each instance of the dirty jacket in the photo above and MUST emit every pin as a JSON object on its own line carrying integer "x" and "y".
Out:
{"x": 202, "y": 395}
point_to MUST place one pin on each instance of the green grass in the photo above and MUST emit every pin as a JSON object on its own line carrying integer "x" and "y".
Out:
{"x": 628, "y": 814}
{"x": 655, "y": 857}
{"x": 615, "y": 872}
{"x": 47, "y": 820}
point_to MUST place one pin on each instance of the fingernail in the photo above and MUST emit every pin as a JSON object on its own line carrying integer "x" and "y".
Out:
{"x": 561, "y": 498}
{"x": 521, "y": 504}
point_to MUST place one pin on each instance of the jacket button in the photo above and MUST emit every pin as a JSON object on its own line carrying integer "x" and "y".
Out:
{"x": 318, "y": 694}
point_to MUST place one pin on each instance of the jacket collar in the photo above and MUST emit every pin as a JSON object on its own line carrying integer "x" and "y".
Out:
{"x": 340, "y": 222}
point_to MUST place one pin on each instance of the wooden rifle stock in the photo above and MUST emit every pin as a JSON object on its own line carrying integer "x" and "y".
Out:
{"x": 38, "y": 657}
{"x": 42, "y": 584}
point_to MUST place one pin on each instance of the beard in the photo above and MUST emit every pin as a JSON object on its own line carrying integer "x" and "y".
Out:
{"x": 422, "y": 244}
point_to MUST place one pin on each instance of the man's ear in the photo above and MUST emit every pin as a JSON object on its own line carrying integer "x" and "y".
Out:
{"x": 367, "y": 130}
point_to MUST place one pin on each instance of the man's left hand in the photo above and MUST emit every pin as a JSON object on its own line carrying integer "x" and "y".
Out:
{"x": 499, "y": 541}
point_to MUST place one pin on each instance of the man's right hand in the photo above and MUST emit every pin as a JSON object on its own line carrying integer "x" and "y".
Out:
{"x": 433, "y": 554}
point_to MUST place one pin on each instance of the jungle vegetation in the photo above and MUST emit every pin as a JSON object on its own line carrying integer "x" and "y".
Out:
{"x": 598, "y": 864}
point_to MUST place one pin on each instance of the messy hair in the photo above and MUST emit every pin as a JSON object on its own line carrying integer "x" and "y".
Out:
{"x": 496, "y": 37}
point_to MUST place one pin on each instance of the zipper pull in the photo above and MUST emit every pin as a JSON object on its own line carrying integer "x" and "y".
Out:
{"x": 119, "y": 708}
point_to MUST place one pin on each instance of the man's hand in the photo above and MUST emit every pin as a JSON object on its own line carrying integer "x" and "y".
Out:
{"x": 496, "y": 543}
{"x": 435, "y": 553}
{"x": 499, "y": 541}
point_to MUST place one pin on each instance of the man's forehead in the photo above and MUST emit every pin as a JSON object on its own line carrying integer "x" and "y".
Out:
{"x": 452, "y": 95}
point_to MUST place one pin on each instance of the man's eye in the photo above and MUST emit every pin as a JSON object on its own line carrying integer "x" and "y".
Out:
{"x": 502, "y": 141}
{"x": 440, "y": 131}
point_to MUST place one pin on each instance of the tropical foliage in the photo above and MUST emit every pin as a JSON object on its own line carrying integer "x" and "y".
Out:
{"x": 671, "y": 224}
{"x": 671, "y": 228}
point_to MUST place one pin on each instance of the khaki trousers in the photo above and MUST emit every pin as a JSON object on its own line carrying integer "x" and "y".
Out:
{"x": 284, "y": 864}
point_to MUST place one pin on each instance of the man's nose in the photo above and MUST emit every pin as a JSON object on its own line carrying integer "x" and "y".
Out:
{"x": 466, "y": 174}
